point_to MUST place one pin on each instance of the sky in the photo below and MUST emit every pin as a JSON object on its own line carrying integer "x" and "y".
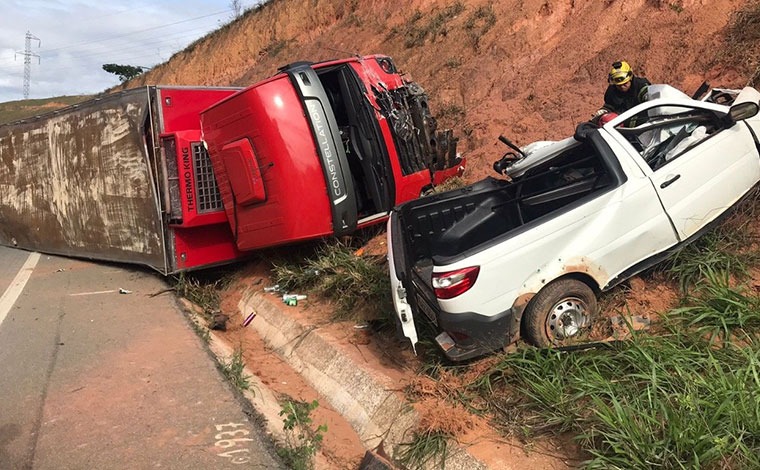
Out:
{"x": 78, "y": 36}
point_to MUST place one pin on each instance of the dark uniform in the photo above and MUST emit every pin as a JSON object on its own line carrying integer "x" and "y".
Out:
{"x": 618, "y": 102}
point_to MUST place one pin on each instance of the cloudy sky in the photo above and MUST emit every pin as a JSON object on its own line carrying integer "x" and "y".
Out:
{"x": 78, "y": 36}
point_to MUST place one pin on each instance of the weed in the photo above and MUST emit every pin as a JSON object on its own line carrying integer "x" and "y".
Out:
{"x": 203, "y": 333}
{"x": 718, "y": 309}
{"x": 450, "y": 111}
{"x": 425, "y": 448}
{"x": 676, "y": 7}
{"x": 669, "y": 402}
{"x": 302, "y": 440}
{"x": 204, "y": 294}
{"x": 450, "y": 184}
{"x": 479, "y": 23}
{"x": 453, "y": 63}
{"x": 741, "y": 40}
{"x": 232, "y": 369}
{"x": 416, "y": 34}
{"x": 275, "y": 47}
{"x": 352, "y": 20}
{"x": 336, "y": 272}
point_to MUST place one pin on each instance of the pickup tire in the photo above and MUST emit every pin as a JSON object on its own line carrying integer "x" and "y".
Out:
{"x": 558, "y": 313}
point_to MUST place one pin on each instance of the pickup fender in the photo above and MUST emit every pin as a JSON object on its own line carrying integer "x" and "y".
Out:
{"x": 562, "y": 267}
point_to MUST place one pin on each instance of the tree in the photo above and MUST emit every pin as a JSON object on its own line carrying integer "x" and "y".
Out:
{"x": 125, "y": 72}
{"x": 237, "y": 7}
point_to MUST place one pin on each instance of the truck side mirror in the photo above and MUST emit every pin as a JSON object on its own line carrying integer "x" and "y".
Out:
{"x": 742, "y": 111}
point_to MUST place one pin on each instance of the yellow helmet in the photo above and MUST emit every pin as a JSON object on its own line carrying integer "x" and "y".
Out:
{"x": 620, "y": 74}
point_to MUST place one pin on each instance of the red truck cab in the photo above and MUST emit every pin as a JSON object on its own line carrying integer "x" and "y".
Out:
{"x": 323, "y": 149}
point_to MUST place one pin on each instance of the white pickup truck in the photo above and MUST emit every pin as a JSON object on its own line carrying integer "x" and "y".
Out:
{"x": 526, "y": 255}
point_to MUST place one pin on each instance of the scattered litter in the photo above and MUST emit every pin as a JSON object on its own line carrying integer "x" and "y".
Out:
{"x": 124, "y": 291}
{"x": 249, "y": 319}
{"x": 284, "y": 383}
{"x": 291, "y": 300}
{"x": 359, "y": 252}
{"x": 286, "y": 297}
{"x": 219, "y": 322}
{"x": 155, "y": 294}
{"x": 274, "y": 288}
{"x": 60, "y": 270}
{"x": 361, "y": 327}
{"x": 638, "y": 322}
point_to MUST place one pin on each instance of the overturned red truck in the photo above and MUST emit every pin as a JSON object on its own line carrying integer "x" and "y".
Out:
{"x": 180, "y": 178}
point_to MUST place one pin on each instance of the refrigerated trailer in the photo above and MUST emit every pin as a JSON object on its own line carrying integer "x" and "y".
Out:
{"x": 318, "y": 149}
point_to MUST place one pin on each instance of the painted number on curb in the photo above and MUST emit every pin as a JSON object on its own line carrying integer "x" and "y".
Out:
{"x": 233, "y": 442}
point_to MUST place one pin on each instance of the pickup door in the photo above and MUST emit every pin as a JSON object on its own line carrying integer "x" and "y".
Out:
{"x": 699, "y": 163}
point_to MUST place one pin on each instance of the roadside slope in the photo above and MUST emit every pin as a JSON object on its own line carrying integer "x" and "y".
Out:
{"x": 531, "y": 69}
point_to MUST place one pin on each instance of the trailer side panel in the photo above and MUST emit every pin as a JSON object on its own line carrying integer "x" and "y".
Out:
{"x": 78, "y": 182}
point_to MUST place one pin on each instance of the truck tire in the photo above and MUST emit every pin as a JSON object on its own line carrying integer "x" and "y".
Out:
{"x": 559, "y": 313}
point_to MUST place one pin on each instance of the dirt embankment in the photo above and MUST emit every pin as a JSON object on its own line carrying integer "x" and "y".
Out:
{"x": 530, "y": 69}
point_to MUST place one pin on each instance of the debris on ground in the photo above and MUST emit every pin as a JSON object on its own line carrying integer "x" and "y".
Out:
{"x": 249, "y": 319}
{"x": 124, "y": 291}
{"x": 272, "y": 289}
{"x": 219, "y": 322}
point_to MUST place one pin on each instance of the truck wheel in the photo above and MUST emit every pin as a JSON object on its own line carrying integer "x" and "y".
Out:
{"x": 559, "y": 313}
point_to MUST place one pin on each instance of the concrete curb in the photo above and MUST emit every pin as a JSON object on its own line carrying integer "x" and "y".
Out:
{"x": 259, "y": 395}
{"x": 371, "y": 407}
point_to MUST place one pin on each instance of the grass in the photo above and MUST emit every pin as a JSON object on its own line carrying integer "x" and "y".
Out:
{"x": 232, "y": 369}
{"x": 426, "y": 449}
{"x": 450, "y": 111}
{"x": 416, "y": 33}
{"x": 451, "y": 183}
{"x": 334, "y": 271}
{"x": 672, "y": 402}
{"x": 14, "y": 110}
{"x": 201, "y": 292}
{"x": 302, "y": 439}
{"x": 479, "y": 23}
{"x": 726, "y": 250}
{"x": 741, "y": 41}
{"x": 720, "y": 310}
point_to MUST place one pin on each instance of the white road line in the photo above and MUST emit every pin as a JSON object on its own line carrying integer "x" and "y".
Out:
{"x": 17, "y": 285}
{"x": 94, "y": 293}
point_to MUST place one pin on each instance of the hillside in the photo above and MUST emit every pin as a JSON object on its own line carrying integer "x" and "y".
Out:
{"x": 14, "y": 110}
{"x": 530, "y": 69}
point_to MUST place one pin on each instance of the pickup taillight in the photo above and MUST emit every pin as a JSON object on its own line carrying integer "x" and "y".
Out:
{"x": 453, "y": 283}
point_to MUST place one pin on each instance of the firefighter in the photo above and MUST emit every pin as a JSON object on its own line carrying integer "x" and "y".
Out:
{"x": 624, "y": 91}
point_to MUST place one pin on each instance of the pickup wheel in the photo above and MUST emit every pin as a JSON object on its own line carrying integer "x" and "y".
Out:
{"x": 559, "y": 313}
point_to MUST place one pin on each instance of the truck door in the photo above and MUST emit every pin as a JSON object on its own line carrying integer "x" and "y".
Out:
{"x": 701, "y": 164}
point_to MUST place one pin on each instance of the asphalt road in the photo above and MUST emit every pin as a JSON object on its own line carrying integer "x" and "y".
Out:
{"x": 94, "y": 379}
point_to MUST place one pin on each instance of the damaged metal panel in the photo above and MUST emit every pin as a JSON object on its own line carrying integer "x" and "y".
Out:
{"x": 78, "y": 182}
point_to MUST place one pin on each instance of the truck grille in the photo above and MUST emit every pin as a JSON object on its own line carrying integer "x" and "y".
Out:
{"x": 206, "y": 191}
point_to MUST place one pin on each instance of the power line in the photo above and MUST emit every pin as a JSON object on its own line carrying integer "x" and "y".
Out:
{"x": 176, "y": 35}
{"x": 44, "y": 52}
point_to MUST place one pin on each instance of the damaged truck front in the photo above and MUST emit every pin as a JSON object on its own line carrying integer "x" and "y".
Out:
{"x": 323, "y": 149}
{"x": 525, "y": 256}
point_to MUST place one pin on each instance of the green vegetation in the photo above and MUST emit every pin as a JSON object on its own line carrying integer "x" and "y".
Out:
{"x": 741, "y": 41}
{"x": 275, "y": 47}
{"x": 303, "y": 440}
{"x": 679, "y": 400}
{"x": 124, "y": 72}
{"x": 336, "y": 272}
{"x": 725, "y": 250}
{"x": 416, "y": 33}
{"x": 450, "y": 111}
{"x": 425, "y": 448}
{"x": 201, "y": 293}
{"x": 232, "y": 369}
{"x": 14, "y": 110}
{"x": 451, "y": 183}
{"x": 453, "y": 63}
{"x": 479, "y": 23}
